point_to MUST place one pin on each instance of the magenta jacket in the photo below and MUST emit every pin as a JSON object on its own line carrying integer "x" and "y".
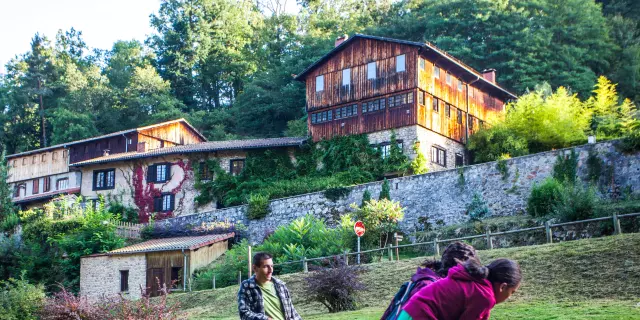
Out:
{"x": 456, "y": 297}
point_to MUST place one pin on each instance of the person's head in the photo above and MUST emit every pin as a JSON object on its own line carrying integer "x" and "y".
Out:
{"x": 262, "y": 266}
{"x": 453, "y": 254}
{"x": 504, "y": 275}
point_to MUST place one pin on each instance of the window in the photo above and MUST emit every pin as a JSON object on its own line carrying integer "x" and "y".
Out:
{"x": 447, "y": 110}
{"x": 46, "y": 181}
{"x": 124, "y": 280}
{"x": 471, "y": 123}
{"x": 164, "y": 203}
{"x": 205, "y": 173}
{"x": 459, "y": 85}
{"x": 400, "y": 63}
{"x": 176, "y": 277}
{"x": 410, "y": 97}
{"x": 422, "y": 64}
{"x": 373, "y": 105}
{"x": 20, "y": 189}
{"x": 36, "y": 186}
{"x": 319, "y": 83}
{"x": 439, "y": 156}
{"x": 159, "y": 172}
{"x": 436, "y": 105}
{"x": 62, "y": 184}
{"x": 33, "y": 160}
{"x": 459, "y": 160}
{"x": 385, "y": 148}
{"x": 346, "y": 112}
{"x": 421, "y": 98}
{"x": 346, "y": 77}
{"x": 436, "y": 72}
{"x": 129, "y": 141}
{"x": 459, "y": 116}
{"x": 371, "y": 71}
{"x": 43, "y": 158}
{"x": 448, "y": 78}
{"x": 104, "y": 179}
{"x": 236, "y": 166}
{"x": 161, "y": 143}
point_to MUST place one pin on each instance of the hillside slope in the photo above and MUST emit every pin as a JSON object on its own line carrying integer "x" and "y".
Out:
{"x": 577, "y": 274}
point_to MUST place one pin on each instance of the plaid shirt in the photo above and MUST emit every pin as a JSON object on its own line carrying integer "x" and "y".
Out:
{"x": 251, "y": 306}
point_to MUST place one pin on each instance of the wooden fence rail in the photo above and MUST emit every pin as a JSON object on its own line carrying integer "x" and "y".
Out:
{"x": 548, "y": 227}
{"x": 128, "y": 230}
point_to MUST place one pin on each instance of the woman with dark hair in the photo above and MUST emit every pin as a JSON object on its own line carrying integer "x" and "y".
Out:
{"x": 431, "y": 272}
{"x": 469, "y": 292}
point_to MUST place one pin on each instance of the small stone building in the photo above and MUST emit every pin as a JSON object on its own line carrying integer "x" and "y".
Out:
{"x": 145, "y": 265}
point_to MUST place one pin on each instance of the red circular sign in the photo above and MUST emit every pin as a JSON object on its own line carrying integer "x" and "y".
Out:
{"x": 359, "y": 228}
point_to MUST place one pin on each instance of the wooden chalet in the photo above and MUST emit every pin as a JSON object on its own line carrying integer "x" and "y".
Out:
{"x": 368, "y": 84}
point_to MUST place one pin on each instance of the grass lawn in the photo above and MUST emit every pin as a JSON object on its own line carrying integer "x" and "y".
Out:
{"x": 584, "y": 279}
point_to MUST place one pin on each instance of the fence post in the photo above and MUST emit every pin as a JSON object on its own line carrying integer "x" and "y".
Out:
{"x": 305, "y": 266}
{"x": 346, "y": 258}
{"x": 249, "y": 251}
{"x": 616, "y": 224}
{"x": 390, "y": 252}
{"x": 489, "y": 243}
{"x": 547, "y": 228}
{"x": 240, "y": 277}
{"x": 436, "y": 246}
{"x": 214, "y": 281}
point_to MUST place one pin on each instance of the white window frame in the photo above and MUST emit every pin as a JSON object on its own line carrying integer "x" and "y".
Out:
{"x": 401, "y": 63}
{"x": 436, "y": 72}
{"x": 320, "y": 83}
{"x": 166, "y": 202}
{"x": 346, "y": 77}
{"x": 161, "y": 173}
{"x": 371, "y": 70}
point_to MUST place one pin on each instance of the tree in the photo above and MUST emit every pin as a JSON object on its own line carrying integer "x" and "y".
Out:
{"x": 6, "y": 205}
{"x": 385, "y": 191}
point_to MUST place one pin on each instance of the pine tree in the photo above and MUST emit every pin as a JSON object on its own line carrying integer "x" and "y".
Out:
{"x": 6, "y": 206}
{"x": 366, "y": 197}
{"x": 385, "y": 193}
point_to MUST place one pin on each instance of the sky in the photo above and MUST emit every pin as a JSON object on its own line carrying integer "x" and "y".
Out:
{"x": 102, "y": 22}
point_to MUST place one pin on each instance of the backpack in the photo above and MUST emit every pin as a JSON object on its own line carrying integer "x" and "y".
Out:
{"x": 407, "y": 290}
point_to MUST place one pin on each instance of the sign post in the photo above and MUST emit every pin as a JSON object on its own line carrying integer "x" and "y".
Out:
{"x": 359, "y": 229}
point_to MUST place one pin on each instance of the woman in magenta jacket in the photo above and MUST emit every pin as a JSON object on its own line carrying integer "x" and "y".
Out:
{"x": 469, "y": 292}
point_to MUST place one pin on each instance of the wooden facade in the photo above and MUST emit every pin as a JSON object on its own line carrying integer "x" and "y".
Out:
{"x": 432, "y": 90}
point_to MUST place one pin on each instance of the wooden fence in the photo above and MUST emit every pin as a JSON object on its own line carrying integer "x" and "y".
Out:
{"x": 128, "y": 230}
{"x": 548, "y": 229}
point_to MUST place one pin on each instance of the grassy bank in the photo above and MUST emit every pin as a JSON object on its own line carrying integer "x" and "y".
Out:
{"x": 593, "y": 278}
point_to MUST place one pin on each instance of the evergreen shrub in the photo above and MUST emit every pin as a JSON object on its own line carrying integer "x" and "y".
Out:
{"x": 544, "y": 197}
{"x": 258, "y": 207}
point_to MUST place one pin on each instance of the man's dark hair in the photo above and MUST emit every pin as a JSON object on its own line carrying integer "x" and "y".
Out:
{"x": 259, "y": 257}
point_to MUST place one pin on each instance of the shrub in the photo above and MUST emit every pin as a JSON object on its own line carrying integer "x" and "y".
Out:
{"x": 10, "y": 222}
{"x": 576, "y": 203}
{"x": 385, "y": 191}
{"x": 366, "y": 197}
{"x": 419, "y": 164}
{"x": 566, "y": 167}
{"x": 226, "y": 268}
{"x": 380, "y": 218}
{"x": 258, "y": 207}
{"x": 477, "y": 209}
{"x": 336, "y": 193}
{"x": 20, "y": 299}
{"x": 544, "y": 197}
{"x": 336, "y": 288}
{"x": 502, "y": 166}
{"x": 127, "y": 214}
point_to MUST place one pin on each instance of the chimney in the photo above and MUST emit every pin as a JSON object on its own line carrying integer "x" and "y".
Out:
{"x": 142, "y": 147}
{"x": 105, "y": 152}
{"x": 489, "y": 75}
{"x": 341, "y": 39}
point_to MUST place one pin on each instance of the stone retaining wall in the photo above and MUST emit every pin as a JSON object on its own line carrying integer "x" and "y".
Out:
{"x": 442, "y": 195}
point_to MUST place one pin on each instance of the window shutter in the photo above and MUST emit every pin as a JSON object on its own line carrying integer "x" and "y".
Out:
{"x": 95, "y": 181}
{"x": 173, "y": 202}
{"x": 151, "y": 174}
{"x": 157, "y": 204}
{"x": 168, "y": 172}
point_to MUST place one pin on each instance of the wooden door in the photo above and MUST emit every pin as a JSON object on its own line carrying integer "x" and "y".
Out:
{"x": 157, "y": 281}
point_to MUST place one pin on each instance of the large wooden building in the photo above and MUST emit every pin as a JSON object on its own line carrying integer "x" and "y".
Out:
{"x": 372, "y": 85}
{"x": 39, "y": 175}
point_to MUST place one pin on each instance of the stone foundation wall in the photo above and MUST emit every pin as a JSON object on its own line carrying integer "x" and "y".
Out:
{"x": 442, "y": 195}
{"x": 100, "y": 275}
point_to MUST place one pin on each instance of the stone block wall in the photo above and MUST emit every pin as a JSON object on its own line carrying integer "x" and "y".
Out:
{"x": 100, "y": 275}
{"x": 442, "y": 195}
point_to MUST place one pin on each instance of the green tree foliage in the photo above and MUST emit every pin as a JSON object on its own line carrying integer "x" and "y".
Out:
{"x": 6, "y": 205}
{"x": 19, "y": 299}
{"x": 381, "y": 218}
{"x": 544, "y": 197}
{"x": 419, "y": 163}
{"x": 385, "y": 191}
{"x": 366, "y": 197}
{"x": 478, "y": 209}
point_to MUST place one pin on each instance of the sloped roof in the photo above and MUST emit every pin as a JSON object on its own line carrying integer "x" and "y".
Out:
{"x": 209, "y": 146}
{"x": 172, "y": 244}
{"x": 426, "y": 47}
{"x": 109, "y": 135}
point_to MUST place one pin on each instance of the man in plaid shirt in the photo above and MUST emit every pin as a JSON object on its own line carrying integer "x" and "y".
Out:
{"x": 263, "y": 297}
